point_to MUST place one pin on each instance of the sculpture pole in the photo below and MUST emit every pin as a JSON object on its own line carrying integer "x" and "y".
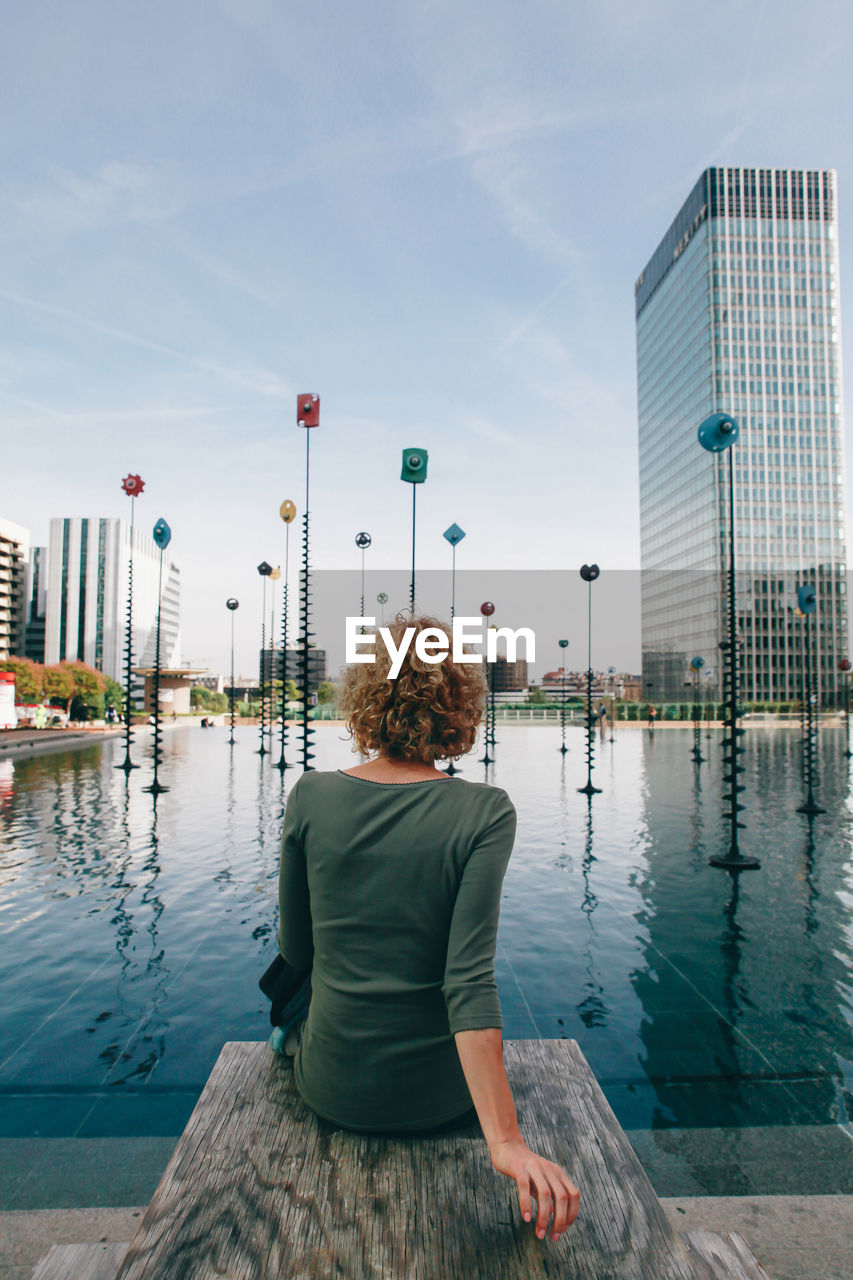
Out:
{"x": 696, "y": 665}
{"x": 132, "y": 486}
{"x": 414, "y": 472}
{"x": 287, "y": 511}
{"x": 162, "y": 536}
{"x": 362, "y": 541}
{"x": 454, "y": 536}
{"x": 717, "y": 434}
{"x": 487, "y": 609}
{"x": 807, "y": 603}
{"x": 264, "y": 570}
{"x": 589, "y": 573}
{"x": 308, "y": 416}
{"x": 564, "y": 644}
{"x": 274, "y": 577}
{"x": 231, "y": 604}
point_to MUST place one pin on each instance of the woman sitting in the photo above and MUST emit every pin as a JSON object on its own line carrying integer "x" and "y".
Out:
{"x": 390, "y": 887}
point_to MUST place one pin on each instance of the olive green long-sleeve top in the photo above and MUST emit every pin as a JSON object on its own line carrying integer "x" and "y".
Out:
{"x": 392, "y": 891}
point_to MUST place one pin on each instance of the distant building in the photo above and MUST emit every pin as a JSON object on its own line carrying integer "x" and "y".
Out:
{"x": 575, "y": 684}
{"x": 35, "y": 606}
{"x": 738, "y": 310}
{"x": 87, "y": 582}
{"x": 215, "y": 684}
{"x": 175, "y": 686}
{"x": 14, "y": 555}
{"x": 508, "y": 677}
{"x": 269, "y": 666}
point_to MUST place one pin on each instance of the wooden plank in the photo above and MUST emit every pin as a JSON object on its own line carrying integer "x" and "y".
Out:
{"x": 259, "y": 1187}
{"x": 81, "y": 1262}
{"x": 727, "y": 1252}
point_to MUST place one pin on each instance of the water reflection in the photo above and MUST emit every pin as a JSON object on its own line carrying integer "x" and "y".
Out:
{"x": 697, "y": 999}
{"x": 592, "y": 1009}
{"x": 743, "y": 975}
{"x": 7, "y": 783}
{"x": 146, "y": 974}
{"x": 564, "y": 859}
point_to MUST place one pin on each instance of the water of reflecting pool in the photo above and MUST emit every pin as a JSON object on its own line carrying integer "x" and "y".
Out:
{"x": 132, "y": 934}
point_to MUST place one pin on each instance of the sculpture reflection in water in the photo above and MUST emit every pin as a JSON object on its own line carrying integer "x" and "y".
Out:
{"x": 592, "y": 1009}
{"x": 743, "y": 987}
{"x": 138, "y": 1040}
{"x": 564, "y": 860}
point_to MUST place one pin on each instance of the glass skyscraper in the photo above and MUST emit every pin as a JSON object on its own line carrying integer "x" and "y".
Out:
{"x": 738, "y": 310}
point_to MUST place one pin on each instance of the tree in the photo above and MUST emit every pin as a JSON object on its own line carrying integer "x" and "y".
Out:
{"x": 88, "y": 700}
{"x": 58, "y": 685}
{"x": 88, "y": 683}
{"x": 28, "y": 678}
{"x": 207, "y": 700}
{"x": 113, "y": 694}
{"x": 326, "y": 691}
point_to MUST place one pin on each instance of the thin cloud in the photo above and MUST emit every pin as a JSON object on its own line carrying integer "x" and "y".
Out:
{"x": 159, "y": 414}
{"x": 260, "y": 381}
{"x": 529, "y": 321}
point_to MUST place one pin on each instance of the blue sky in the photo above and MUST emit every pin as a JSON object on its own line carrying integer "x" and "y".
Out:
{"x": 430, "y": 213}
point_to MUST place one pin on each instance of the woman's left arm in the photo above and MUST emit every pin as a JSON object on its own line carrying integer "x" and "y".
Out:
{"x": 295, "y": 939}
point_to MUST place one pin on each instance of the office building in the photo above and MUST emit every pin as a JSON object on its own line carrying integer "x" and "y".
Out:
{"x": 738, "y": 311}
{"x": 35, "y": 604}
{"x": 14, "y": 554}
{"x": 87, "y": 581}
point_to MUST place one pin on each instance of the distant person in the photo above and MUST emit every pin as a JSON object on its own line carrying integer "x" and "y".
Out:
{"x": 389, "y": 892}
{"x": 653, "y": 715}
{"x": 602, "y": 715}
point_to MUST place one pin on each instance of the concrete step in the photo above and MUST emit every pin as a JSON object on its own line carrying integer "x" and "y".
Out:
{"x": 81, "y": 1261}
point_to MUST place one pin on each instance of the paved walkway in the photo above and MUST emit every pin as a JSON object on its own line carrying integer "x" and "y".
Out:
{"x": 18, "y": 744}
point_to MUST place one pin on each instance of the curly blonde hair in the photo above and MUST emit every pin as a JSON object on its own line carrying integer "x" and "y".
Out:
{"x": 430, "y": 712}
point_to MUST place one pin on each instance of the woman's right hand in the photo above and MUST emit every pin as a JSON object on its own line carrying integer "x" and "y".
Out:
{"x": 551, "y": 1186}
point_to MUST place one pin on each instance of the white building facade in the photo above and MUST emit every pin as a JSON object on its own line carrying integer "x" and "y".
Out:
{"x": 14, "y": 556}
{"x": 87, "y": 591}
{"x": 738, "y": 310}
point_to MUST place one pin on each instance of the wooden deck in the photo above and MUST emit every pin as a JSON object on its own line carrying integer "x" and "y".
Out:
{"x": 260, "y": 1188}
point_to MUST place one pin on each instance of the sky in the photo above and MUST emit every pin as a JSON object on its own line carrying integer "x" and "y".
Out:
{"x": 432, "y": 214}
